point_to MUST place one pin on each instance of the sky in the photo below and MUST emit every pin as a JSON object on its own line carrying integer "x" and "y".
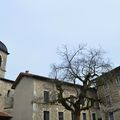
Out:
{"x": 33, "y": 30}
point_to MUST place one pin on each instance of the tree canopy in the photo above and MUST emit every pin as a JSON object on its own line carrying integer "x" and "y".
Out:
{"x": 79, "y": 66}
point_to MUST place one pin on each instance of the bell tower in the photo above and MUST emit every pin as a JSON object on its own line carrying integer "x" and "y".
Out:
{"x": 3, "y": 59}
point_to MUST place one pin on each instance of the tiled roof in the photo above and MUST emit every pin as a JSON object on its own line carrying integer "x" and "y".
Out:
{"x": 6, "y": 115}
{"x": 46, "y": 79}
{"x": 6, "y": 80}
{"x": 42, "y": 78}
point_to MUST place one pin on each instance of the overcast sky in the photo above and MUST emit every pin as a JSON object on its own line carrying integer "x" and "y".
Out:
{"x": 32, "y": 30}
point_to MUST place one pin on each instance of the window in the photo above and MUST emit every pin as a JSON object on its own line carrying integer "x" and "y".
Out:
{"x": 111, "y": 116}
{"x": 106, "y": 86}
{"x": 8, "y": 93}
{"x": 46, "y": 96}
{"x": 8, "y": 100}
{"x": 92, "y": 103}
{"x": 119, "y": 92}
{"x": 72, "y": 116}
{"x": 60, "y": 116}
{"x": 84, "y": 116}
{"x": 0, "y": 60}
{"x": 46, "y": 115}
{"x": 93, "y": 116}
{"x": 118, "y": 80}
{"x": 108, "y": 100}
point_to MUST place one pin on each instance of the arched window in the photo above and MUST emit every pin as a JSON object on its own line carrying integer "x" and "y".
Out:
{"x": 0, "y": 60}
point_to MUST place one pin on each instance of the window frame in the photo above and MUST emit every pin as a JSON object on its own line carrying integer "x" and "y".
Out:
{"x": 112, "y": 116}
{"x": 84, "y": 116}
{"x": 106, "y": 85}
{"x": 62, "y": 115}
{"x": 95, "y": 116}
{"x": 72, "y": 116}
{"x": 44, "y": 112}
{"x": 1, "y": 60}
{"x": 108, "y": 100}
{"x": 46, "y": 95}
{"x": 118, "y": 80}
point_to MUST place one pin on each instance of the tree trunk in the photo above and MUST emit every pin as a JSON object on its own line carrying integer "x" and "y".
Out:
{"x": 76, "y": 115}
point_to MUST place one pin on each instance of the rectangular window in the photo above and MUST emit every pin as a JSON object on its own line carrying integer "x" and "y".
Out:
{"x": 118, "y": 81}
{"x": 106, "y": 86}
{"x": 84, "y": 116}
{"x": 46, "y": 115}
{"x": 60, "y": 116}
{"x": 93, "y": 116}
{"x": 93, "y": 103}
{"x": 111, "y": 116}
{"x": 72, "y": 116}
{"x": 9, "y": 99}
{"x": 46, "y": 96}
{"x": 108, "y": 100}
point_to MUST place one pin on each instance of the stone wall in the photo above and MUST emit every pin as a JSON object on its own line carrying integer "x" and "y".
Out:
{"x": 109, "y": 93}
{"x": 23, "y": 94}
{"x": 4, "y": 88}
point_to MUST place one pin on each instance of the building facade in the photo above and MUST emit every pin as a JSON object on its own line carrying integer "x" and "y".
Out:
{"x": 6, "y": 93}
{"x": 109, "y": 94}
{"x": 31, "y": 96}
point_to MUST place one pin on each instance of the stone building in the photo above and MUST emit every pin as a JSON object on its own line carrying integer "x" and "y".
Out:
{"x": 6, "y": 98}
{"x": 109, "y": 93}
{"x": 31, "y": 96}
{"x": 27, "y": 97}
{"x": 27, "y": 100}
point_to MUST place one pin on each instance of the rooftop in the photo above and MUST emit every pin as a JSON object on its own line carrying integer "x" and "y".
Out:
{"x": 3, "y": 47}
{"x": 4, "y": 115}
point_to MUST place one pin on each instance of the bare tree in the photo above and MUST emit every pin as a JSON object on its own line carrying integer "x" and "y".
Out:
{"x": 80, "y": 66}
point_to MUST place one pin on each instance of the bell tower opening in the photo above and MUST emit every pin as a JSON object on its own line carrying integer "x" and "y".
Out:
{"x": 0, "y": 60}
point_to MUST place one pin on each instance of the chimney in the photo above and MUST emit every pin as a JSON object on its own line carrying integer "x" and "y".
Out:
{"x": 27, "y": 71}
